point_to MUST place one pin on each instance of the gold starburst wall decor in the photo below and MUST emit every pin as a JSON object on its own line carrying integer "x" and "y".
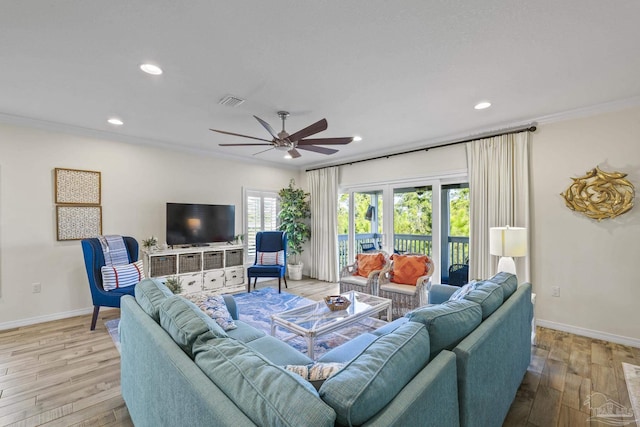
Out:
{"x": 600, "y": 195}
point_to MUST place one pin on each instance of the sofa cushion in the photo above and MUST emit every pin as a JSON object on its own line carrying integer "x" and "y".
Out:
{"x": 278, "y": 352}
{"x": 371, "y": 380}
{"x": 215, "y": 307}
{"x": 267, "y": 394}
{"x": 185, "y": 322}
{"x": 448, "y": 323}
{"x": 150, "y": 293}
{"x": 368, "y": 263}
{"x": 244, "y": 332}
{"x": 488, "y": 295}
{"x": 508, "y": 281}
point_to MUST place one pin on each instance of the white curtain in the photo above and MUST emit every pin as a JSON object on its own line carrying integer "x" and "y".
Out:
{"x": 499, "y": 196}
{"x": 323, "y": 187}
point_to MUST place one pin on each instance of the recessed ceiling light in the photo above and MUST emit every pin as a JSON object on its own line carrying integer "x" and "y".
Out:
{"x": 288, "y": 156}
{"x": 115, "y": 121}
{"x": 151, "y": 69}
{"x": 482, "y": 105}
{"x": 357, "y": 138}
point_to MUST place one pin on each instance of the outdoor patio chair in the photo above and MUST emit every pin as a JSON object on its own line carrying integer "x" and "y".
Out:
{"x": 405, "y": 282}
{"x": 362, "y": 275}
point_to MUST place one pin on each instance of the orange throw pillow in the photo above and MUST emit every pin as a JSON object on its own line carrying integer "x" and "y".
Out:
{"x": 368, "y": 263}
{"x": 408, "y": 268}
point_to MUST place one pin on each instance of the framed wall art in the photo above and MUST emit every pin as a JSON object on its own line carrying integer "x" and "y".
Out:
{"x": 77, "y": 187}
{"x": 78, "y": 222}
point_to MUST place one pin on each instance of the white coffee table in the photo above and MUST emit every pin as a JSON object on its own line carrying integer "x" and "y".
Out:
{"x": 313, "y": 320}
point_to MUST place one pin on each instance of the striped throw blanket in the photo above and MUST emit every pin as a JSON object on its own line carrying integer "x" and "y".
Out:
{"x": 114, "y": 250}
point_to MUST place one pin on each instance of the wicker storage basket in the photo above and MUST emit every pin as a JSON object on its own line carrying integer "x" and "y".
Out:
{"x": 189, "y": 263}
{"x": 212, "y": 260}
{"x": 337, "y": 302}
{"x": 162, "y": 265}
{"x": 234, "y": 257}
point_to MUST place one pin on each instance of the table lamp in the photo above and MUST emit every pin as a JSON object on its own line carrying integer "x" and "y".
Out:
{"x": 507, "y": 242}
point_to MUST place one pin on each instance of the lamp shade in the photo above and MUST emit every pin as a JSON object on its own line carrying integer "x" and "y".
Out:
{"x": 508, "y": 241}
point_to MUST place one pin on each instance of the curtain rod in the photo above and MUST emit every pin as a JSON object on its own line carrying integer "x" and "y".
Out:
{"x": 525, "y": 128}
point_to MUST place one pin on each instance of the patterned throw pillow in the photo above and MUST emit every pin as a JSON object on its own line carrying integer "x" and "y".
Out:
{"x": 316, "y": 372}
{"x": 368, "y": 263}
{"x": 271, "y": 258}
{"x": 121, "y": 276}
{"x": 463, "y": 291}
{"x": 215, "y": 307}
{"x": 408, "y": 268}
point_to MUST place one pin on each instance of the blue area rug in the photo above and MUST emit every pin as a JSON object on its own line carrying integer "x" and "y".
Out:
{"x": 257, "y": 307}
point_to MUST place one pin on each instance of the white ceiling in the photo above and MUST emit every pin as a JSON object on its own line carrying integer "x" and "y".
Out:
{"x": 401, "y": 74}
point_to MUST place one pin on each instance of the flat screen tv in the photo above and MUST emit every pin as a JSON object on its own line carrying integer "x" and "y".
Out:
{"x": 197, "y": 224}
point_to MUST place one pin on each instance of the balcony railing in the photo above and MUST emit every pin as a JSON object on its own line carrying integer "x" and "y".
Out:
{"x": 458, "y": 247}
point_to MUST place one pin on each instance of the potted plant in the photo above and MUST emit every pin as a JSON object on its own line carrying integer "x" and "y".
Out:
{"x": 174, "y": 285}
{"x": 150, "y": 243}
{"x": 294, "y": 216}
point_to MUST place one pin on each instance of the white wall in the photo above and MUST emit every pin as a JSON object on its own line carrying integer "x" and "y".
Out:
{"x": 595, "y": 264}
{"x": 137, "y": 181}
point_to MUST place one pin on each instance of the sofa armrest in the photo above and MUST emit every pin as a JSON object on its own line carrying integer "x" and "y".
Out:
{"x": 231, "y": 305}
{"x": 440, "y": 293}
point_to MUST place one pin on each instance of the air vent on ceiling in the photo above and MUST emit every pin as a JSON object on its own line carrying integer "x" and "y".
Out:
{"x": 231, "y": 101}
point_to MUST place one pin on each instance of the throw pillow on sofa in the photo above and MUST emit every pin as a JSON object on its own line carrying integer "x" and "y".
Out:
{"x": 368, "y": 263}
{"x": 370, "y": 381}
{"x": 267, "y": 394}
{"x": 121, "y": 276}
{"x": 185, "y": 322}
{"x": 215, "y": 307}
{"x": 150, "y": 294}
{"x": 448, "y": 323}
{"x": 316, "y": 373}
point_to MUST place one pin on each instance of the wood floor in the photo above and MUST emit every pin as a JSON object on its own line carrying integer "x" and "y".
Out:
{"x": 61, "y": 374}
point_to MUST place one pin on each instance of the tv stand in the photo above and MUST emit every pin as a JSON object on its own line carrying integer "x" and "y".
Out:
{"x": 210, "y": 268}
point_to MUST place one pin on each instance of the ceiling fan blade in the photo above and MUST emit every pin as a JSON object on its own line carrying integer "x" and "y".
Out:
{"x": 237, "y": 134}
{"x": 325, "y": 141}
{"x": 241, "y": 145}
{"x": 318, "y": 126}
{"x": 294, "y": 153}
{"x": 321, "y": 150}
{"x": 263, "y": 151}
{"x": 268, "y": 127}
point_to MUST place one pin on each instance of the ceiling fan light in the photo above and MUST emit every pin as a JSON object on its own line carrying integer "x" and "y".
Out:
{"x": 283, "y": 147}
{"x": 288, "y": 156}
{"x": 152, "y": 69}
{"x": 357, "y": 138}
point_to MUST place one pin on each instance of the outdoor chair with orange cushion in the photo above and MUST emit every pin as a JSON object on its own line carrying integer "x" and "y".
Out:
{"x": 362, "y": 275}
{"x": 405, "y": 282}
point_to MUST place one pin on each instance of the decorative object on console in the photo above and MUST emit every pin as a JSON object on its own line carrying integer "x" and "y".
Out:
{"x": 150, "y": 243}
{"x": 294, "y": 216}
{"x": 600, "y": 195}
{"x": 507, "y": 242}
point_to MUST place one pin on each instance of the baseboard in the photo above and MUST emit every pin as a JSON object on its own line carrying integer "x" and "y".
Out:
{"x": 618, "y": 339}
{"x": 47, "y": 318}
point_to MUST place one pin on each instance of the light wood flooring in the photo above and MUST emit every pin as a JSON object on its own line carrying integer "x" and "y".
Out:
{"x": 61, "y": 374}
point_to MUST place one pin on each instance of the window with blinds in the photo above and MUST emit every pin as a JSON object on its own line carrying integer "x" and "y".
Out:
{"x": 262, "y": 215}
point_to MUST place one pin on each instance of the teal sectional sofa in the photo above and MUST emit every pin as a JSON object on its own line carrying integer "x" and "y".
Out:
{"x": 179, "y": 367}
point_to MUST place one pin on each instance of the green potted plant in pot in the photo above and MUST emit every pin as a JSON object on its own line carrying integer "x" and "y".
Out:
{"x": 294, "y": 216}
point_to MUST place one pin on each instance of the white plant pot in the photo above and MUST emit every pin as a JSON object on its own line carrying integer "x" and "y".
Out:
{"x": 295, "y": 271}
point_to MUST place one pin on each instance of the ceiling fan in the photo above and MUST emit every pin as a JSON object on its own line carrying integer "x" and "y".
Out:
{"x": 284, "y": 142}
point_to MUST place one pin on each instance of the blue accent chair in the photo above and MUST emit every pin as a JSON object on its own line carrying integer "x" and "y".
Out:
{"x": 94, "y": 261}
{"x": 269, "y": 241}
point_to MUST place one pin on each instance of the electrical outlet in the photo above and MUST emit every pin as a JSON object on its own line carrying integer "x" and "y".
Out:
{"x": 555, "y": 291}
{"x": 36, "y": 287}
